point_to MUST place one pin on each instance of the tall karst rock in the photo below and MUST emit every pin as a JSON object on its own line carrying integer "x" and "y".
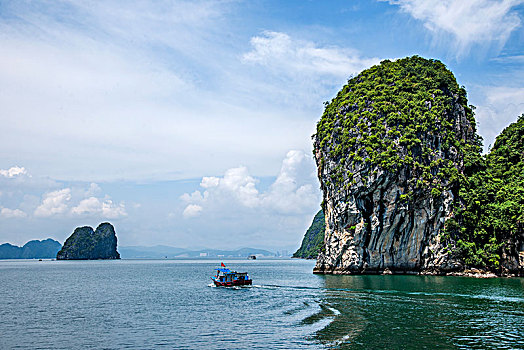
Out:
{"x": 390, "y": 149}
{"x": 86, "y": 244}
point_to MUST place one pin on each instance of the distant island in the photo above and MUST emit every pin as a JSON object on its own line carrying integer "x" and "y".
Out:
{"x": 45, "y": 249}
{"x": 86, "y": 244}
{"x": 161, "y": 252}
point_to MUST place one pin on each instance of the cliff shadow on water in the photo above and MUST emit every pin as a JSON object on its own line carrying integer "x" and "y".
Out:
{"x": 405, "y": 186}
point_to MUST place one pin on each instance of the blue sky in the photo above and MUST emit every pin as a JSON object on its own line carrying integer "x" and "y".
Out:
{"x": 189, "y": 123}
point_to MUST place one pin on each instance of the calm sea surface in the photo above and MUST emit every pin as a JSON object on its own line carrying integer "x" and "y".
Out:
{"x": 170, "y": 304}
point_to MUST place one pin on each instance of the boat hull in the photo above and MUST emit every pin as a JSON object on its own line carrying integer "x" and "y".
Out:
{"x": 233, "y": 283}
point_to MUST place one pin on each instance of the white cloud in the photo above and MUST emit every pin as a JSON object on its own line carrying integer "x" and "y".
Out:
{"x": 236, "y": 186}
{"x": 55, "y": 202}
{"x": 116, "y": 73}
{"x": 12, "y": 213}
{"x": 105, "y": 208}
{"x": 76, "y": 70}
{"x": 59, "y": 202}
{"x": 281, "y": 53}
{"x": 293, "y": 191}
{"x": 500, "y": 106}
{"x": 238, "y": 209}
{"x": 88, "y": 205}
{"x": 505, "y": 95}
{"x": 192, "y": 210}
{"x": 468, "y": 22}
{"x": 238, "y": 182}
{"x": 196, "y": 196}
{"x": 13, "y": 171}
{"x": 92, "y": 190}
{"x": 208, "y": 182}
{"x": 113, "y": 211}
{"x": 44, "y": 197}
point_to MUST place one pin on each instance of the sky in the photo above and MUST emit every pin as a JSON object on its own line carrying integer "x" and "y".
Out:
{"x": 189, "y": 123}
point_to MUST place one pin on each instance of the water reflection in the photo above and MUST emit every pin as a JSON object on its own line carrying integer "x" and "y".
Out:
{"x": 422, "y": 312}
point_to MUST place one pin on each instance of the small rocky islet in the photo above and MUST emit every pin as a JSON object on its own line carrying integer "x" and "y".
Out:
{"x": 406, "y": 188}
{"x": 86, "y": 244}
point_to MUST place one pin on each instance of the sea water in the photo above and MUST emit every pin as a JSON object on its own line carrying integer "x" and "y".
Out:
{"x": 172, "y": 304}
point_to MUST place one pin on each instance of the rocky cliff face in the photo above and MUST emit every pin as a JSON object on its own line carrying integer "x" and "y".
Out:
{"x": 86, "y": 244}
{"x": 389, "y": 150}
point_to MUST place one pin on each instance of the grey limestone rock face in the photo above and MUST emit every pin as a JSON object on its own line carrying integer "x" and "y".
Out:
{"x": 370, "y": 230}
{"x": 381, "y": 220}
{"x": 513, "y": 253}
{"x": 86, "y": 244}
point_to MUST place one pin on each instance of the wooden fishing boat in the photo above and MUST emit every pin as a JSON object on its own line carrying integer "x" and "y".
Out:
{"x": 227, "y": 278}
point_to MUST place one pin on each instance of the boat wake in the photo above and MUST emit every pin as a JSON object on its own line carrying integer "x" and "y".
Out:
{"x": 212, "y": 285}
{"x": 275, "y": 286}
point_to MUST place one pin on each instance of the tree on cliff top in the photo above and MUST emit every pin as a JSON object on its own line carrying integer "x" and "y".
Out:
{"x": 401, "y": 114}
{"x": 492, "y": 190}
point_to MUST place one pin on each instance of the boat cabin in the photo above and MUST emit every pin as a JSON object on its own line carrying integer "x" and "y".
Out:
{"x": 225, "y": 277}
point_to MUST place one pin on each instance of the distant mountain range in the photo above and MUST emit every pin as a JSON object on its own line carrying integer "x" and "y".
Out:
{"x": 48, "y": 248}
{"x": 31, "y": 250}
{"x": 160, "y": 251}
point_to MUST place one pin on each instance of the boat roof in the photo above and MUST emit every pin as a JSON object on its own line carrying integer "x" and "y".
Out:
{"x": 223, "y": 270}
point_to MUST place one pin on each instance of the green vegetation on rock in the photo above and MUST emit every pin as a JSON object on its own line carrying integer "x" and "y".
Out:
{"x": 397, "y": 114}
{"x": 313, "y": 239}
{"x": 399, "y": 156}
{"x": 86, "y": 244}
{"x": 492, "y": 190}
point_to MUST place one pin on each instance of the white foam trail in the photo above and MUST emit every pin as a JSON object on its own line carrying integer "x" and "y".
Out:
{"x": 333, "y": 310}
{"x": 265, "y": 287}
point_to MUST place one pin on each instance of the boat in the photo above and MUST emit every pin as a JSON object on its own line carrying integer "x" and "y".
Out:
{"x": 227, "y": 278}
{"x": 252, "y": 257}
